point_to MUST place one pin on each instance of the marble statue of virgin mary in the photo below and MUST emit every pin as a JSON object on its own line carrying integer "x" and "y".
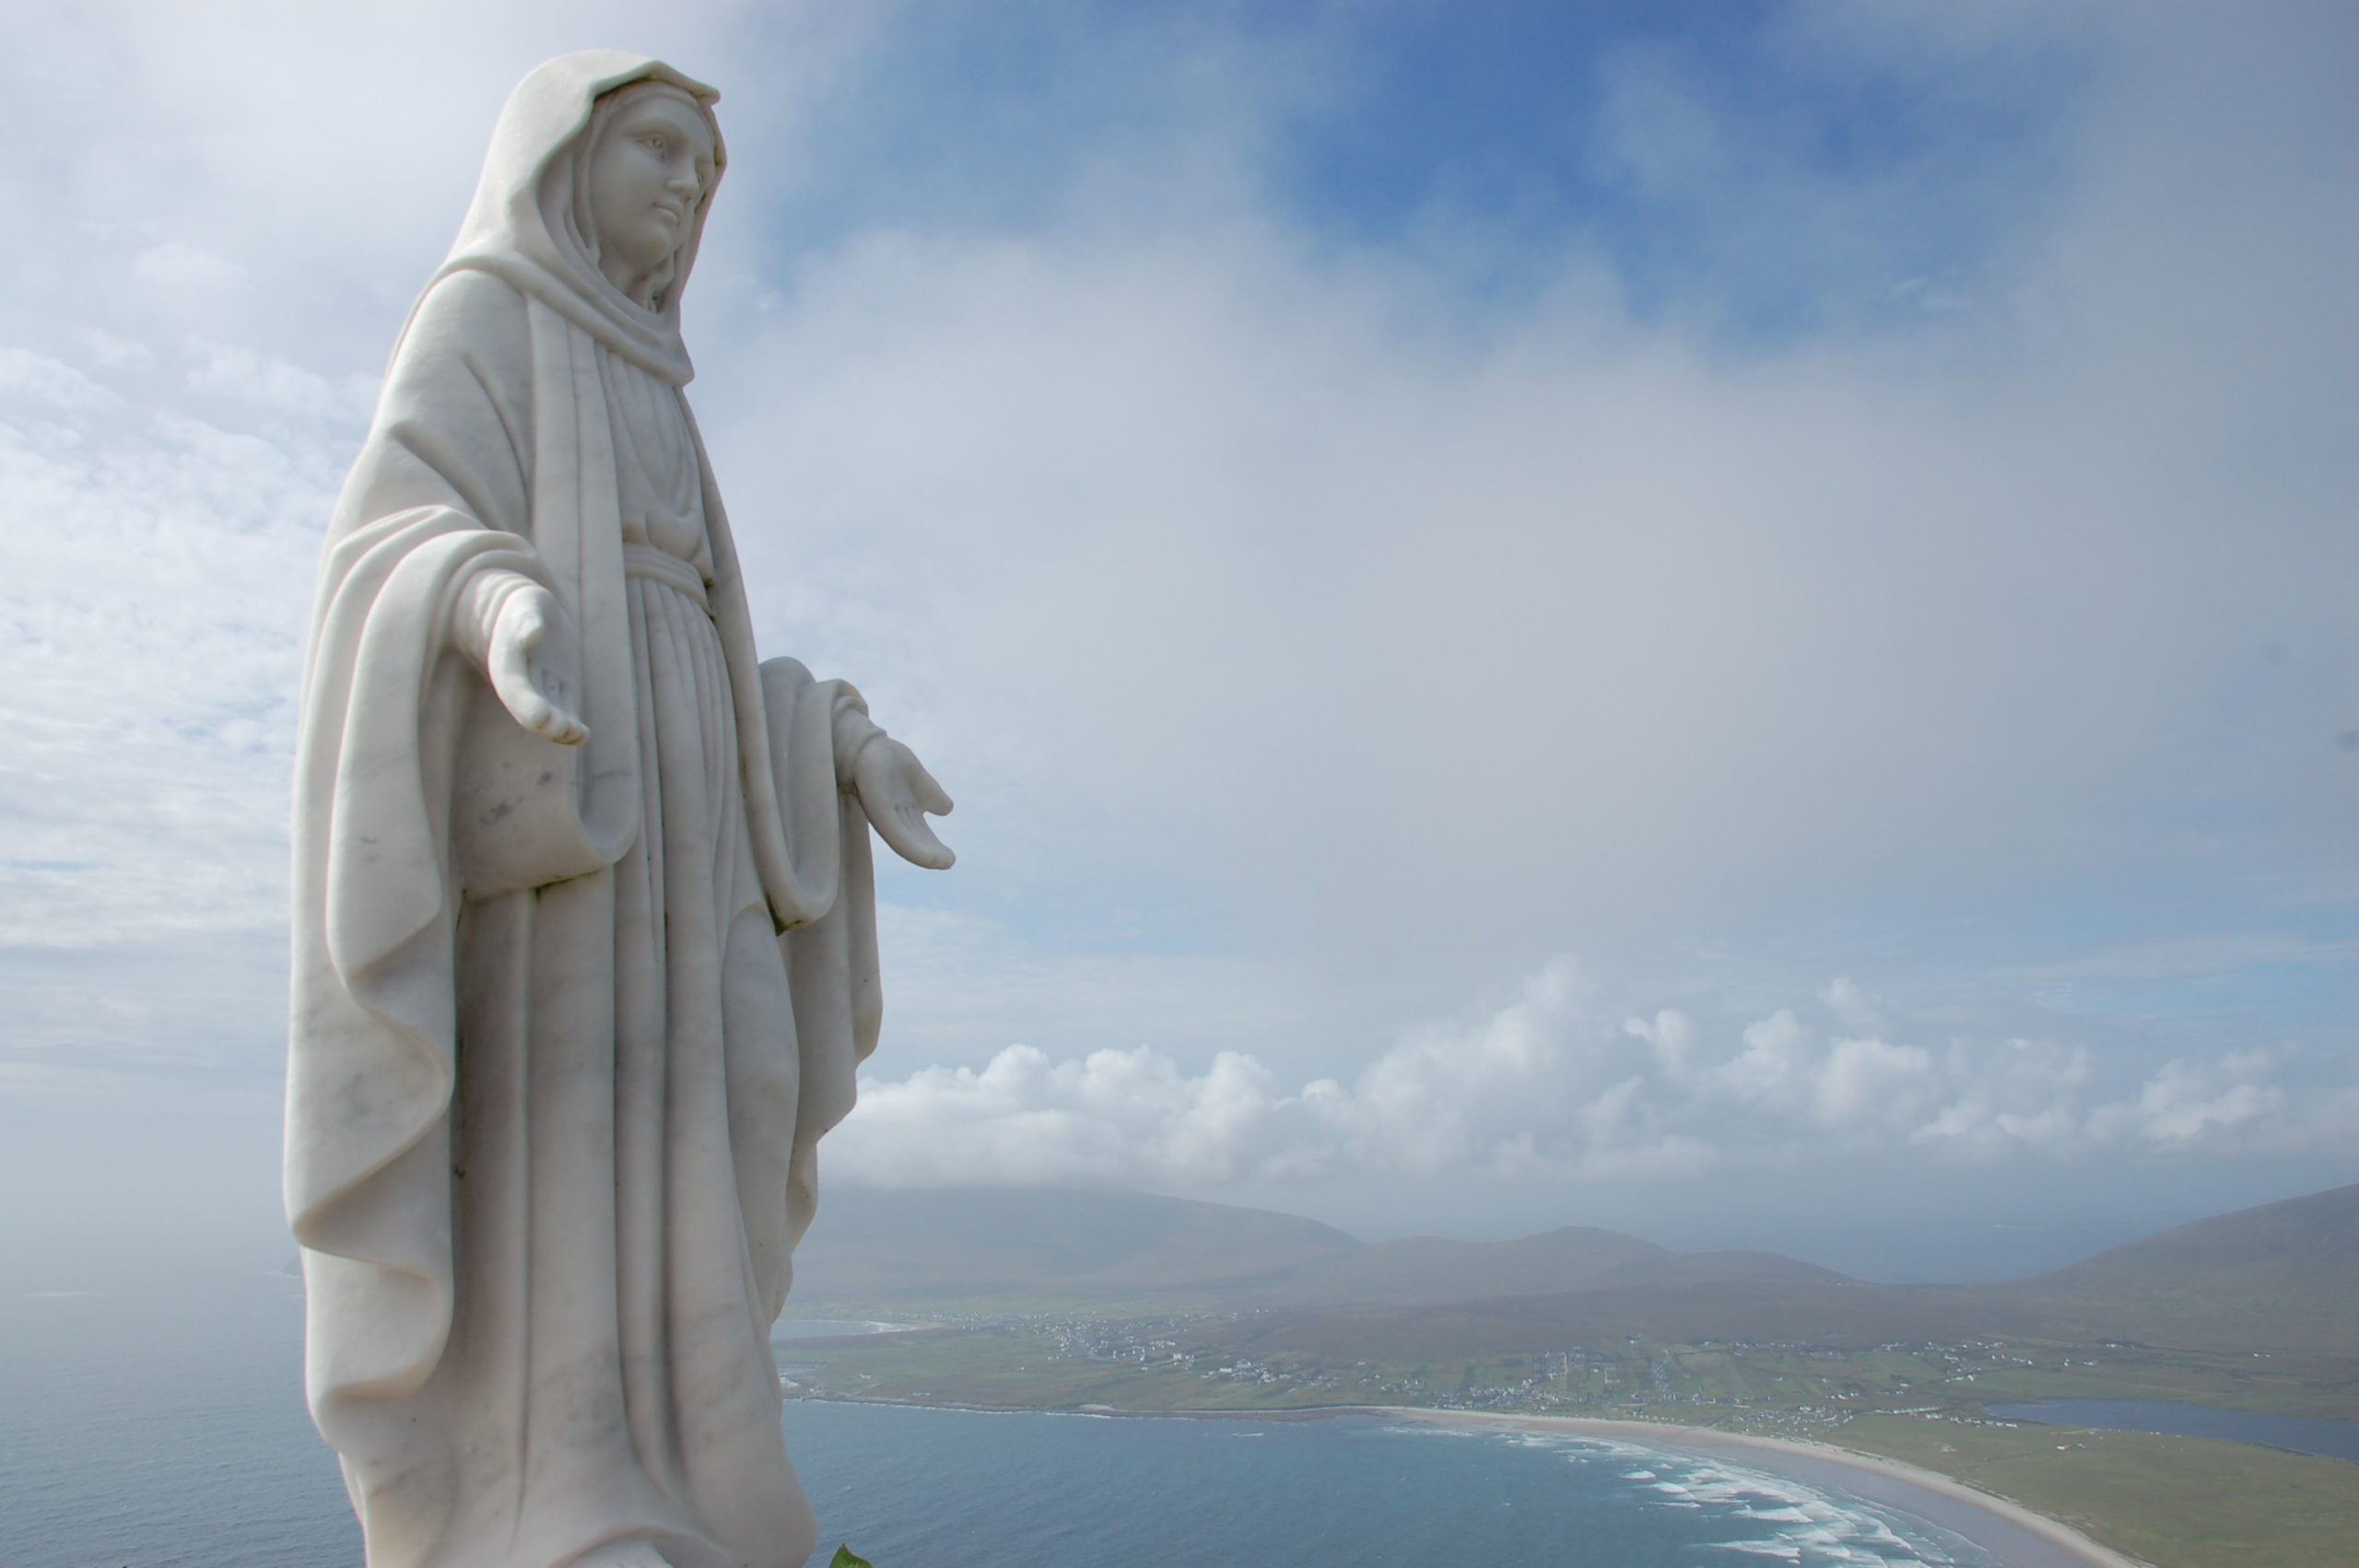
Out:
{"x": 584, "y": 945}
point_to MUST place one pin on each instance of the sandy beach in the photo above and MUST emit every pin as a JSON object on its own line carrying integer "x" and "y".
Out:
{"x": 2013, "y": 1534}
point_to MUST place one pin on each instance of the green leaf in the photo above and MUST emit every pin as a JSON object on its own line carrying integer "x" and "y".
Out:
{"x": 845, "y": 1559}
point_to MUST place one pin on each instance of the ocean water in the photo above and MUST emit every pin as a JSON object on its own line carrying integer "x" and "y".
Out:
{"x": 1035, "y": 1490}
{"x": 137, "y": 1433}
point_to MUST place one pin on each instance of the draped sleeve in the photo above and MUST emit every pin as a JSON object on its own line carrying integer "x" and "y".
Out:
{"x": 437, "y": 496}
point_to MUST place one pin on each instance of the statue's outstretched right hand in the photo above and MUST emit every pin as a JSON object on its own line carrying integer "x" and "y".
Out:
{"x": 531, "y": 663}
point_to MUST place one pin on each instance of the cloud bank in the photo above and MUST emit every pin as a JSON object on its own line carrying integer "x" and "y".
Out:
{"x": 1545, "y": 1089}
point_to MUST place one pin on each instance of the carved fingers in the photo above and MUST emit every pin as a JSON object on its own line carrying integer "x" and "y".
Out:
{"x": 531, "y": 666}
{"x": 897, "y": 793}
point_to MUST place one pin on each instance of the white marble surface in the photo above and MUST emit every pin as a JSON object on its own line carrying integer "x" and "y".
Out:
{"x": 584, "y": 948}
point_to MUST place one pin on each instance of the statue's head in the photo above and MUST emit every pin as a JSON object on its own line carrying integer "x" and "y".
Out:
{"x": 593, "y": 197}
{"x": 649, "y": 165}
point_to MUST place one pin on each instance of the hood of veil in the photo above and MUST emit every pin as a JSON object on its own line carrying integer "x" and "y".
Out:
{"x": 530, "y": 225}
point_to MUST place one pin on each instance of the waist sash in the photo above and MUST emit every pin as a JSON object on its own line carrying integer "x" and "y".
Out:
{"x": 662, "y": 566}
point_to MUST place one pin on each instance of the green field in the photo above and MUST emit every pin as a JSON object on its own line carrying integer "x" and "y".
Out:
{"x": 2176, "y": 1501}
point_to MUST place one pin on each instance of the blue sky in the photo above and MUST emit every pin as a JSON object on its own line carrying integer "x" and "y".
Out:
{"x": 1727, "y": 621}
{"x": 1489, "y": 139}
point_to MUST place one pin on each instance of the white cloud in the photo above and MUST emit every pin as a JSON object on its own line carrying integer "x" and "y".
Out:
{"x": 1855, "y": 1007}
{"x": 2243, "y": 1100}
{"x": 177, "y": 266}
{"x": 2021, "y": 1095}
{"x": 1442, "y": 1100}
{"x": 1217, "y": 558}
{"x": 1672, "y": 1035}
{"x": 155, "y": 570}
{"x": 281, "y": 387}
{"x": 1539, "y": 1090}
{"x": 49, "y": 382}
{"x": 1773, "y": 1069}
{"x": 1870, "y": 1080}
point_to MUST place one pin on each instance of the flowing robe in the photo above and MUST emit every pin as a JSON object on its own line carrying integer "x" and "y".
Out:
{"x": 568, "y": 1021}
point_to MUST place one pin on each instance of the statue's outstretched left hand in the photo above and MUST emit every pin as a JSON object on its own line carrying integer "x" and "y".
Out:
{"x": 897, "y": 792}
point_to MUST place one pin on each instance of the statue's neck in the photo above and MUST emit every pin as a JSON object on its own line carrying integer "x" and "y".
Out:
{"x": 638, "y": 288}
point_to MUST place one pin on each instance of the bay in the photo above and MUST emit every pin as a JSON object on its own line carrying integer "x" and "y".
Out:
{"x": 1043, "y": 1489}
{"x": 169, "y": 1431}
{"x": 2303, "y": 1435}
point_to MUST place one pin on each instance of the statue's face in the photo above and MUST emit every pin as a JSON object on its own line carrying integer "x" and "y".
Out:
{"x": 648, "y": 171}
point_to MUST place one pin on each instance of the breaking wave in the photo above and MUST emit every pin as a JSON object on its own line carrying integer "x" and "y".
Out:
{"x": 1753, "y": 1515}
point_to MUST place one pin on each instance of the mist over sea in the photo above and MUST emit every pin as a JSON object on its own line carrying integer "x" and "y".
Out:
{"x": 171, "y": 1433}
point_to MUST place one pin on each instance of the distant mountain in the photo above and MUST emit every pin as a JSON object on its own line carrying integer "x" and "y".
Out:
{"x": 1014, "y": 1246}
{"x": 1432, "y": 1269}
{"x": 1429, "y": 1271}
{"x": 2281, "y": 1278}
{"x": 2284, "y": 1276}
{"x": 1011, "y": 1247}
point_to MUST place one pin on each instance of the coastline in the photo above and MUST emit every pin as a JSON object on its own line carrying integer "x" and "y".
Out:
{"x": 854, "y": 1328}
{"x": 2018, "y": 1537}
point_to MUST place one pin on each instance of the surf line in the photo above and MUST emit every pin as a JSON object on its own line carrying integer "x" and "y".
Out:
{"x": 2008, "y": 1529}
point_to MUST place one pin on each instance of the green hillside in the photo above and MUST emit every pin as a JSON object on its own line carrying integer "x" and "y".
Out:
{"x": 2283, "y": 1276}
{"x": 1429, "y": 1269}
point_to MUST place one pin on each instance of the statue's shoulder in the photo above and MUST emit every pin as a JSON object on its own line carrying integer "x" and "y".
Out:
{"x": 472, "y": 291}
{"x": 470, "y": 298}
{"x": 474, "y": 316}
